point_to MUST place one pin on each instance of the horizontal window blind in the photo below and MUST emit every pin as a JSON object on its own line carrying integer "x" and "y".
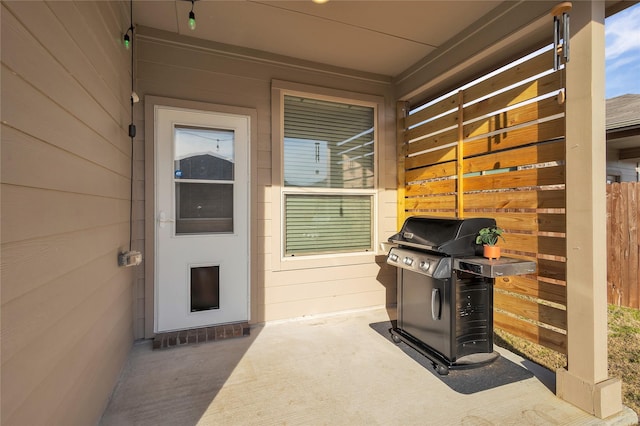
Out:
{"x": 328, "y": 144}
{"x": 316, "y": 224}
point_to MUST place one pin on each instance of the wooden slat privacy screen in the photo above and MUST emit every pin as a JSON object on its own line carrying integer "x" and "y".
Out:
{"x": 496, "y": 149}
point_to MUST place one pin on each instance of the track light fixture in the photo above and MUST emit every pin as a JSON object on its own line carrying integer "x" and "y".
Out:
{"x": 192, "y": 18}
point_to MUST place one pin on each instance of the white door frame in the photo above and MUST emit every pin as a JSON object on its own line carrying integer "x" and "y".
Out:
{"x": 150, "y": 220}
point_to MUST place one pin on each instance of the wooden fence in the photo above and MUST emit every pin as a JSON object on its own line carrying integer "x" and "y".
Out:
{"x": 496, "y": 149}
{"x": 623, "y": 244}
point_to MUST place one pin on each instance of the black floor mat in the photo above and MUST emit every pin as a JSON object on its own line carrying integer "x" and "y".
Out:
{"x": 466, "y": 381}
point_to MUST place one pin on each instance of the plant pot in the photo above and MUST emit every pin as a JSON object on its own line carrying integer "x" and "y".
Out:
{"x": 492, "y": 252}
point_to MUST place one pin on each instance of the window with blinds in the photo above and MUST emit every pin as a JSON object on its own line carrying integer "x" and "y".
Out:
{"x": 327, "y": 223}
{"x": 329, "y": 176}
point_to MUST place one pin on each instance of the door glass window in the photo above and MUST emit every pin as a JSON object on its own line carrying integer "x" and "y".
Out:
{"x": 204, "y": 180}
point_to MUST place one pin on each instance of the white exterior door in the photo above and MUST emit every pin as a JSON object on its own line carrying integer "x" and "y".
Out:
{"x": 202, "y": 224}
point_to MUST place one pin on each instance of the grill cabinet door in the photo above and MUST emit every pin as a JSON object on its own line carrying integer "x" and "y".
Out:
{"x": 426, "y": 310}
{"x": 474, "y": 314}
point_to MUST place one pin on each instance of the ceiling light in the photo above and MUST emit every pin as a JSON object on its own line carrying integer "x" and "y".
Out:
{"x": 192, "y": 18}
{"x": 320, "y": 1}
{"x": 126, "y": 39}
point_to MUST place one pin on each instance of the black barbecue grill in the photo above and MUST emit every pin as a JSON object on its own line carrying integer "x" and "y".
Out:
{"x": 445, "y": 291}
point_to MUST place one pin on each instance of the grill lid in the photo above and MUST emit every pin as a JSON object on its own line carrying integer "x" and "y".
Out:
{"x": 453, "y": 237}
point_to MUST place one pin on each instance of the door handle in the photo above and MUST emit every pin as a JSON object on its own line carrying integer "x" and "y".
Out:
{"x": 163, "y": 219}
{"x": 436, "y": 304}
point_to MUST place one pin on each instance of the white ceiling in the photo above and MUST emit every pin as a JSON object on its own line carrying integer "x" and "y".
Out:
{"x": 382, "y": 37}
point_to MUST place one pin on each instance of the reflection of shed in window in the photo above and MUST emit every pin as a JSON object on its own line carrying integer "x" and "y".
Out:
{"x": 357, "y": 163}
{"x": 205, "y": 166}
{"x": 306, "y": 162}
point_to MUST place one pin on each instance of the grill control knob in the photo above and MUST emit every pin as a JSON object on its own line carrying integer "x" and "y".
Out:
{"x": 393, "y": 257}
{"x": 424, "y": 265}
{"x": 408, "y": 261}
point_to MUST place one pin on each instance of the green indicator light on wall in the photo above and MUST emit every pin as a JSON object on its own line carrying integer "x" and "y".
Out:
{"x": 127, "y": 41}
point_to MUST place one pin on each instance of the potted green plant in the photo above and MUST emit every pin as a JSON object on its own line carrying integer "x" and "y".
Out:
{"x": 488, "y": 237}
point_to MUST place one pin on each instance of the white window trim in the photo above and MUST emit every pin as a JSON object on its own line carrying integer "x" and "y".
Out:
{"x": 279, "y": 262}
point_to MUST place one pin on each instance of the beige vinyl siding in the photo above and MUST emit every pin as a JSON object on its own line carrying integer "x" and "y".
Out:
{"x": 290, "y": 294}
{"x": 205, "y": 72}
{"x": 67, "y": 308}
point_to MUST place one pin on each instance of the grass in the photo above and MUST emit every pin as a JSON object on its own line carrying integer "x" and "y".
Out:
{"x": 624, "y": 352}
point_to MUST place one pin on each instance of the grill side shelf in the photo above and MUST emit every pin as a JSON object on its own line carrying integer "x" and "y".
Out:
{"x": 503, "y": 267}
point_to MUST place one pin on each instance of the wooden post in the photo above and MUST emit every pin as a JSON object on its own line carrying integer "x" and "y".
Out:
{"x": 585, "y": 382}
{"x": 460, "y": 156}
{"x": 402, "y": 110}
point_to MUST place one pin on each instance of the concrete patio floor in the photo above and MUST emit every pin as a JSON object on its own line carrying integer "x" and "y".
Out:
{"x": 330, "y": 370}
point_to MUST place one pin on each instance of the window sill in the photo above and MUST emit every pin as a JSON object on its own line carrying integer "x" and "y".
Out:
{"x": 323, "y": 261}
